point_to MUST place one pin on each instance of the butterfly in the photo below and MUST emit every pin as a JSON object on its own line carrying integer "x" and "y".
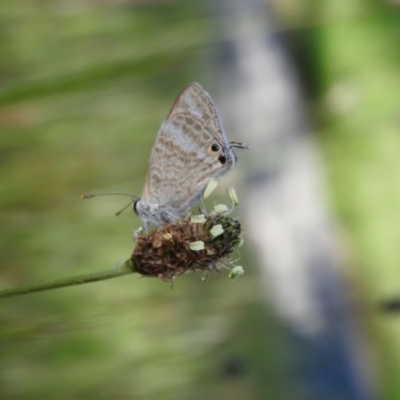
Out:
{"x": 191, "y": 148}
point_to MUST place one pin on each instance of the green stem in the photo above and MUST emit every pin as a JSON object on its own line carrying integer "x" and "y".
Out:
{"x": 122, "y": 269}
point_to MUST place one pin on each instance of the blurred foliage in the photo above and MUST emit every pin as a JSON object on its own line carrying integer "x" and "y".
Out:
{"x": 84, "y": 86}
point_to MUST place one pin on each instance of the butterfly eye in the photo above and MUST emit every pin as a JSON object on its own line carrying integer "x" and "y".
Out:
{"x": 135, "y": 207}
{"x": 214, "y": 147}
{"x": 222, "y": 159}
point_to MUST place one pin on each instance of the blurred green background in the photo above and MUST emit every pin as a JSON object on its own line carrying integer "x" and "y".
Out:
{"x": 84, "y": 86}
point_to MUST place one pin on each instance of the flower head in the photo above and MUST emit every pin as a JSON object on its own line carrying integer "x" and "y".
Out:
{"x": 173, "y": 249}
{"x": 198, "y": 242}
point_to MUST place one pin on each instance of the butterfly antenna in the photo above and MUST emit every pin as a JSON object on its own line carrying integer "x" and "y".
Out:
{"x": 133, "y": 198}
{"x": 123, "y": 209}
{"x": 239, "y": 145}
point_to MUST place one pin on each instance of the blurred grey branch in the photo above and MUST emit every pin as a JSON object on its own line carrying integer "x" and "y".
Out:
{"x": 289, "y": 225}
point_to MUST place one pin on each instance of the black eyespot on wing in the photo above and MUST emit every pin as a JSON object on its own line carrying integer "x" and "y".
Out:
{"x": 214, "y": 147}
{"x": 135, "y": 206}
{"x": 222, "y": 159}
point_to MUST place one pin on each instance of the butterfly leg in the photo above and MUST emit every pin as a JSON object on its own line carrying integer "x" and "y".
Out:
{"x": 169, "y": 217}
{"x": 136, "y": 234}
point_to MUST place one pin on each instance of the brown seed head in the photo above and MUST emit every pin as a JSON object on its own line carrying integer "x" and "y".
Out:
{"x": 165, "y": 252}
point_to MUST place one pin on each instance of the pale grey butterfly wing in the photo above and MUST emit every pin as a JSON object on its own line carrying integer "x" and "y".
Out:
{"x": 191, "y": 147}
{"x": 196, "y": 101}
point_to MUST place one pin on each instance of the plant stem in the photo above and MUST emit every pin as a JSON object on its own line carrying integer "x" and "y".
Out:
{"x": 122, "y": 269}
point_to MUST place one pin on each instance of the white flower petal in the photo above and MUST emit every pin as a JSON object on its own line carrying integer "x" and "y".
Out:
{"x": 212, "y": 184}
{"x": 205, "y": 276}
{"x": 235, "y": 272}
{"x": 198, "y": 219}
{"x": 216, "y": 230}
{"x": 233, "y": 196}
{"x": 196, "y": 246}
{"x": 221, "y": 208}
